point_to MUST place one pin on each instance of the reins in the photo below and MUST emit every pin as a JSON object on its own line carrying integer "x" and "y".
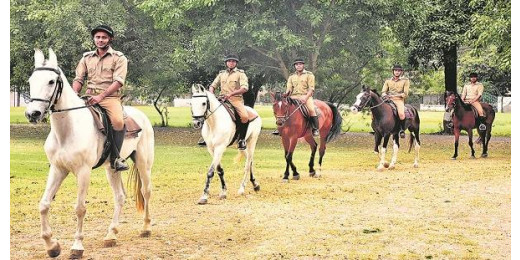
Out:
{"x": 205, "y": 116}
{"x": 285, "y": 118}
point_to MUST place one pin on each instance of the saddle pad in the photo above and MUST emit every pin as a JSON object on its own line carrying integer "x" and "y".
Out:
{"x": 303, "y": 108}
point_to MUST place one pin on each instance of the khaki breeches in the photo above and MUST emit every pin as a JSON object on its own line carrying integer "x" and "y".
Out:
{"x": 478, "y": 107}
{"x": 238, "y": 104}
{"x": 399, "y": 103}
{"x": 114, "y": 110}
{"x": 309, "y": 104}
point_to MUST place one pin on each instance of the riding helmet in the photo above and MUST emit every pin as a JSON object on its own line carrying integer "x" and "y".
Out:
{"x": 104, "y": 28}
{"x": 298, "y": 60}
{"x": 231, "y": 57}
{"x": 473, "y": 75}
{"x": 397, "y": 67}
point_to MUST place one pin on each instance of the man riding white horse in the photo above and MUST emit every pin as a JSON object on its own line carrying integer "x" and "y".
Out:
{"x": 233, "y": 83}
{"x": 105, "y": 70}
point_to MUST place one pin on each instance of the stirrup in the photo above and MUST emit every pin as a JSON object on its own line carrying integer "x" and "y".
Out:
{"x": 401, "y": 134}
{"x": 450, "y": 125}
{"x": 119, "y": 165}
{"x": 275, "y": 132}
{"x": 241, "y": 144}
{"x": 482, "y": 127}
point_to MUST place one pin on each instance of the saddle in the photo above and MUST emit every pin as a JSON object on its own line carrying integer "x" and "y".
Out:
{"x": 407, "y": 111}
{"x": 303, "y": 108}
{"x": 101, "y": 121}
{"x": 234, "y": 114}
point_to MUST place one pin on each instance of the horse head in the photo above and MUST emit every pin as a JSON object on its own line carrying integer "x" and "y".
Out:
{"x": 45, "y": 85}
{"x": 362, "y": 99}
{"x": 280, "y": 107}
{"x": 450, "y": 99}
{"x": 200, "y": 105}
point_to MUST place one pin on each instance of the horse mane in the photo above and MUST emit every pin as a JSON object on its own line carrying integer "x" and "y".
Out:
{"x": 250, "y": 96}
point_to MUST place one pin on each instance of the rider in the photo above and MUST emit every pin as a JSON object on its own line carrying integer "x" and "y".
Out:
{"x": 105, "y": 70}
{"x": 471, "y": 94}
{"x": 233, "y": 83}
{"x": 396, "y": 88}
{"x": 300, "y": 85}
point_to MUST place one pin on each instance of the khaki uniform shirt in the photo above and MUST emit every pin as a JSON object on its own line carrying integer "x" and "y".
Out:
{"x": 300, "y": 84}
{"x": 392, "y": 87}
{"x": 101, "y": 72}
{"x": 229, "y": 81}
{"x": 471, "y": 91}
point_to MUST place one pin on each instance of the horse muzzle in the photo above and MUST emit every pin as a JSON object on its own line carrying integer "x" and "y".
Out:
{"x": 198, "y": 123}
{"x": 34, "y": 116}
{"x": 354, "y": 109}
{"x": 280, "y": 121}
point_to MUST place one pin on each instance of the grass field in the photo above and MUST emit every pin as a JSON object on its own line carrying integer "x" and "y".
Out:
{"x": 444, "y": 209}
{"x": 431, "y": 122}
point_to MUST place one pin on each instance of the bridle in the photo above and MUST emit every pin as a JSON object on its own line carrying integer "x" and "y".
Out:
{"x": 366, "y": 103}
{"x": 56, "y": 93}
{"x": 286, "y": 116}
{"x": 208, "y": 109}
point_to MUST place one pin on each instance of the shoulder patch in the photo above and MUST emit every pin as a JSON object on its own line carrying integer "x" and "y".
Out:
{"x": 222, "y": 71}
{"x": 239, "y": 70}
{"x": 308, "y": 72}
{"x": 88, "y": 53}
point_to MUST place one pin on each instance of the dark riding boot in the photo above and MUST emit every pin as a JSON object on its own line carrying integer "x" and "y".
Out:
{"x": 242, "y": 135}
{"x": 116, "y": 162}
{"x": 275, "y": 132}
{"x": 201, "y": 142}
{"x": 315, "y": 125}
{"x": 402, "y": 126}
{"x": 482, "y": 121}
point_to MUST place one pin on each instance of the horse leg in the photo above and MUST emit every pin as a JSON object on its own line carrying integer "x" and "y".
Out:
{"x": 217, "y": 156}
{"x": 83, "y": 177}
{"x": 286, "y": 152}
{"x": 382, "y": 154}
{"x": 323, "y": 143}
{"x": 223, "y": 192}
{"x": 377, "y": 141}
{"x": 144, "y": 172}
{"x": 456, "y": 132}
{"x": 54, "y": 181}
{"x": 250, "y": 151}
{"x": 417, "y": 148}
{"x": 313, "y": 145}
{"x": 394, "y": 153}
{"x": 293, "y": 142}
{"x": 486, "y": 142}
{"x": 116, "y": 183}
{"x": 470, "y": 142}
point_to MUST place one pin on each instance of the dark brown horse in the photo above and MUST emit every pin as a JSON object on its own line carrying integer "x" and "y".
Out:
{"x": 385, "y": 123}
{"x": 293, "y": 125}
{"x": 465, "y": 119}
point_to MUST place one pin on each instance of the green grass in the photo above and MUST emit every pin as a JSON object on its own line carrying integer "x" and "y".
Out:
{"x": 431, "y": 122}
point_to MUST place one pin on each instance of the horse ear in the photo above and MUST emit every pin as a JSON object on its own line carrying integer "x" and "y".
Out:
{"x": 272, "y": 96}
{"x": 193, "y": 88}
{"x": 52, "y": 58}
{"x": 201, "y": 88}
{"x": 363, "y": 87}
{"x": 38, "y": 58}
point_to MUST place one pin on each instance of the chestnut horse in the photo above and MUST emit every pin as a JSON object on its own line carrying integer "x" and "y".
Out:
{"x": 292, "y": 124}
{"x": 385, "y": 124}
{"x": 465, "y": 119}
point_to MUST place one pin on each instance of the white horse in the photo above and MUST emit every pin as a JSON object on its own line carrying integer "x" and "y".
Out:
{"x": 218, "y": 130}
{"x": 75, "y": 145}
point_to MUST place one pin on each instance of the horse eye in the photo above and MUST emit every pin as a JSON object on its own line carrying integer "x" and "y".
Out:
{"x": 51, "y": 82}
{"x": 203, "y": 103}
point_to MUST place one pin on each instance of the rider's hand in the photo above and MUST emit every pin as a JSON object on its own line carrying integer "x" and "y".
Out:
{"x": 94, "y": 99}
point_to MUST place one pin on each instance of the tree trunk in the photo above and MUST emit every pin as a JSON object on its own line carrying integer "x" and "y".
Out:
{"x": 163, "y": 123}
{"x": 450, "y": 79}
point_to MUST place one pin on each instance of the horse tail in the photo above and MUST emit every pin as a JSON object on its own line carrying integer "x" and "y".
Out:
{"x": 337, "y": 120}
{"x": 412, "y": 138}
{"x": 133, "y": 177}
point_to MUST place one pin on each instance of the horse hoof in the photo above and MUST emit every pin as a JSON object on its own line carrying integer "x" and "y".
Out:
{"x": 257, "y": 188}
{"x": 380, "y": 169}
{"x": 110, "y": 242}
{"x": 202, "y": 202}
{"x": 285, "y": 180}
{"x": 391, "y": 167}
{"x": 222, "y": 197}
{"x": 472, "y": 157}
{"x": 55, "y": 251}
{"x": 454, "y": 158}
{"x": 76, "y": 254}
{"x": 145, "y": 233}
{"x": 415, "y": 165}
{"x": 484, "y": 155}
{"x": 296, "y": 177}
{"x": 312, "y": 174}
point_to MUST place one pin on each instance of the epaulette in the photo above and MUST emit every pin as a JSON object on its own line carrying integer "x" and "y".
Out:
{"x": 308, "y": 72}
{"x": 118, "y": 53}
{"x": 222, "y": 71}
{"x": 88, "y": 53}
{"x": 239, "y": 70}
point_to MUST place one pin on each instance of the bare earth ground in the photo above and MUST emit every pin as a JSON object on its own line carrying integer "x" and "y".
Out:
{"x": 445, "y": 209}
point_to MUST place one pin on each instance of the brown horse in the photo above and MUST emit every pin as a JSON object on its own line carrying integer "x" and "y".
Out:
{"x": 385, "y": 124}
{"x": 292, "y": 124}
{"x": 465, "y": 119}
